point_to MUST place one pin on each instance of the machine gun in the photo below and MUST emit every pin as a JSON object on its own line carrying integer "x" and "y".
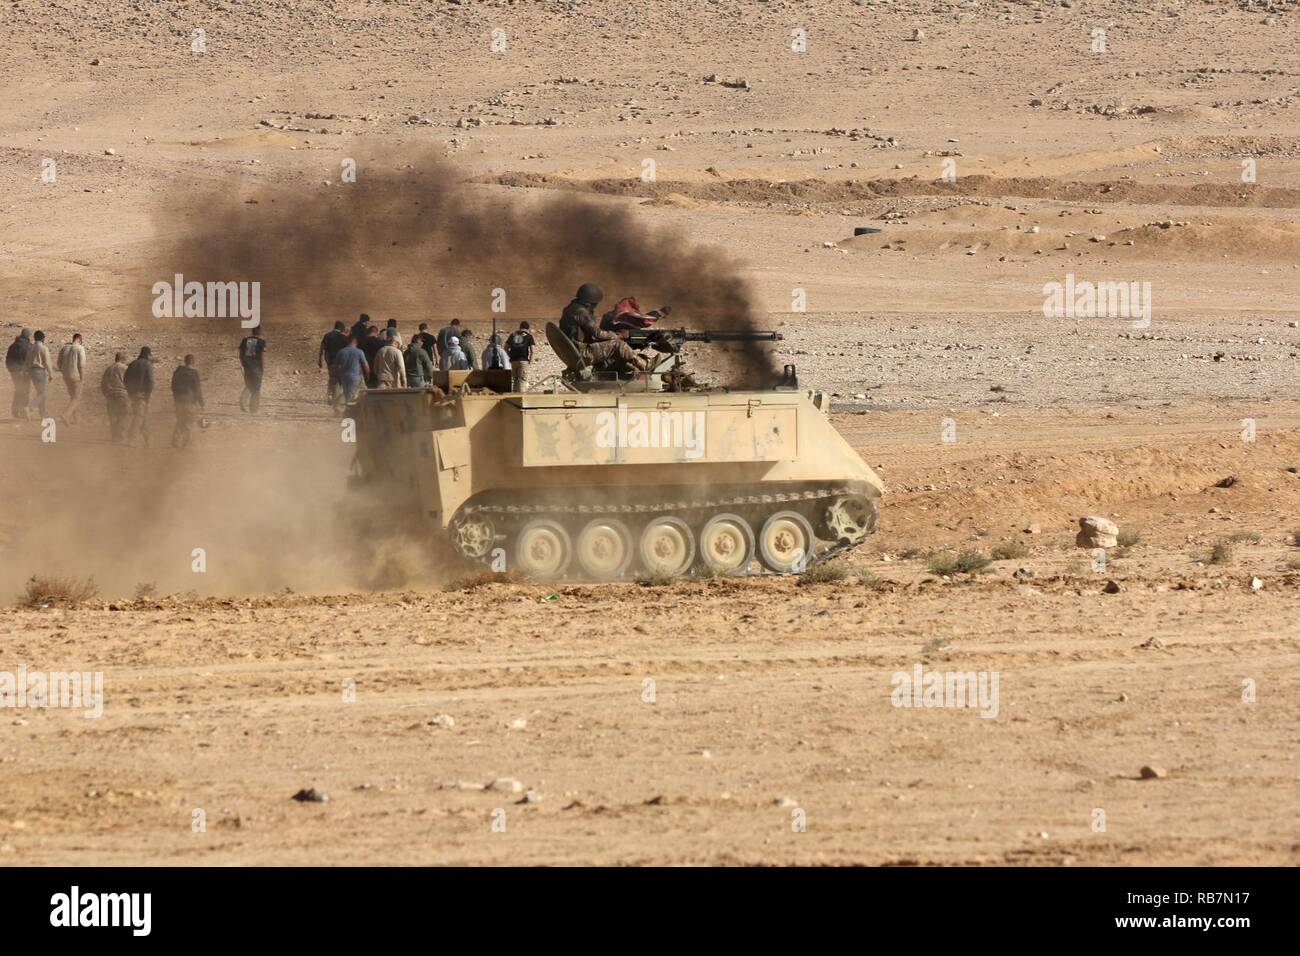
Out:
{"x": 671, "y": 340}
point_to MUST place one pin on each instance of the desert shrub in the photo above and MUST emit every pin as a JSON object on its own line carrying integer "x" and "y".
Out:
{"x": 1009, "y": 551}
{"x": 942, "y": 564}
{"x": 972, "y": 562}
{"x": 825, "y": 573}
{"x": 57, "y": 591}
{"x": 967, "y": 562}
{"x": 1221, "y": 553}
{"x": 656, "y": 580}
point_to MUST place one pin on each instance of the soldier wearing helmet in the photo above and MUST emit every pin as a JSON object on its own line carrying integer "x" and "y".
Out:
{"x": 579, "y": 319}
{"x": 606, "y": 351}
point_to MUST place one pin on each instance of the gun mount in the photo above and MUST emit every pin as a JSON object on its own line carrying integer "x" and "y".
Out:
{"x": 665, "y": 371}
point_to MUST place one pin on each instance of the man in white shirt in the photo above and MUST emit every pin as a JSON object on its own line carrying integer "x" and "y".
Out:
{"x": 39, "y": 366}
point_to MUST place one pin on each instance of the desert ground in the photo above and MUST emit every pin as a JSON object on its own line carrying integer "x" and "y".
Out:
{"x": 1147, "y": 709}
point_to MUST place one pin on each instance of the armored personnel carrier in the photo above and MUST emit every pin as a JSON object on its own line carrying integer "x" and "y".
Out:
{"x": 600, "y": 475}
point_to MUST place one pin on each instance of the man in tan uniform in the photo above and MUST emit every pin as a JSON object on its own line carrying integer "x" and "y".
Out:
{"x": 72, "y": 364}
{"x": 390, "y": 364}
{"x": 113, "y": 385}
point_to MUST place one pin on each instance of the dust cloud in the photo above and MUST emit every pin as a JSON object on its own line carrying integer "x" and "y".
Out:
{"x": 231, "y": 515}
{"x": 413, "y": 238}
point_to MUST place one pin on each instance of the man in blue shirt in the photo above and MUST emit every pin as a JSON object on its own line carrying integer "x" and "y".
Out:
{"x": 350, "y": 369}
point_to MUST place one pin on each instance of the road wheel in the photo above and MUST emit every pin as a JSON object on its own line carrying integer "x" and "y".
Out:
{"x": 604, "y": 548}
{"x": 473, "y": 536}
{"x": 542, "y": 549}
{"x": 667, "y": 547}
{"x": 786, "y": 542}
{"x": 850, "y": 519}
{"x": 727, "y": 544}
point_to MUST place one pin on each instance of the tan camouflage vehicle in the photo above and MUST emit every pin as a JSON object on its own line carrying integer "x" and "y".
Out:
{"x": 603, "y": 476}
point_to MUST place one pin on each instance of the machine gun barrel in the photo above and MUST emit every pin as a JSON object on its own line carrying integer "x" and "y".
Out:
{"x": 726, "y": 335}
{"x": 670, "y": 339}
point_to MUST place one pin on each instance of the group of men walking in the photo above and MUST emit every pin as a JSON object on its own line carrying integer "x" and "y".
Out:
{"x": 30, "y": 369}
{"x": 127, "y": 387}
{"x": 356, "y": 357}
{"x": 363, "y": 355}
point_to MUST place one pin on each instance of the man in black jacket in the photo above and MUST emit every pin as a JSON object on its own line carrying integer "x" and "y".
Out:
{"x": 335, "y": 341}
{"x": 139, "y": 389}
{"x": 16, "y": 359}
{"x": 187, "y": 396}
{"x": 251, "y": 349}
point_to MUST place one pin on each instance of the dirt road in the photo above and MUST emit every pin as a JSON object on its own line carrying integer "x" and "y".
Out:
{"x": 701, "y": 722}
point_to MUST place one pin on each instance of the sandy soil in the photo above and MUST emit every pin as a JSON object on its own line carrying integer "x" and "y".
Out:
{"x": 317, "y": 654}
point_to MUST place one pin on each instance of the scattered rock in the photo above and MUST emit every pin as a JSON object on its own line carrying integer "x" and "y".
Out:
{"x": 530, "y": 796}
{"x": 786, "y": 802}
{"x": 445, "y": 721}
{"x": 1095, "y": 525}
{"x": 1022, "y": 574}
{"x": 1112, "y": 587}
{"x": 1256, "y": 584}
{"x": 1153, "y": 773}
{"x": 311, "y": 795}
{"x": 1091, "y": 541}
{"x": 506, "y": 785}
{"x": 1096, "y": 532}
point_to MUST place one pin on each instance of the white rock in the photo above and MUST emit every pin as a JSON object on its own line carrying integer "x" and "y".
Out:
{"x": 1094, "y": 524}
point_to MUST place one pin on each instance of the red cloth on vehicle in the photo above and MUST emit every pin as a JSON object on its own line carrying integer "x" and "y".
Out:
{"x": 627, "y": 312}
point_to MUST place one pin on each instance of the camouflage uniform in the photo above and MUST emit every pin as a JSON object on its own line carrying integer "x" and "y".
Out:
{"x": 578, "y": 322}
{"x": 613, "y": 355}
{"x": 605, "y": 351}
